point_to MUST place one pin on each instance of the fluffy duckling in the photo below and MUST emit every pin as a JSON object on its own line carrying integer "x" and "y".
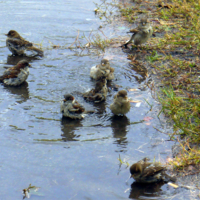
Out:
{"x": 102, "y": 70}
{"x": 16, "y": 75}
{"x": 111, "y": 76}
{"x": 98, "y": 94}
{"x": 141, "y": 34}
{"x": 71, "y": 108}
{"x": 17, "y": 44}
{"x": 145, "y": 172}
{"x": 121, "y": 104}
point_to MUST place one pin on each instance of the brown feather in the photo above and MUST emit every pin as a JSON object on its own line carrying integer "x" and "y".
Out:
{"x": 134, "y": 31}
{"x": 150, "y": 171}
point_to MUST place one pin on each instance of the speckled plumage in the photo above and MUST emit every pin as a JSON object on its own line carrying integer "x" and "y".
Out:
{"x": 71, "y": 108}
{"x": 16, "y": 75}
{"x": 121, "y": 104}
{"x": 102, "y": 70}
{"x": 146, "y": 172}
{"x": 17, "y": 44}
{"x": 99, "y": 93}
{"x": 141, "y": 34}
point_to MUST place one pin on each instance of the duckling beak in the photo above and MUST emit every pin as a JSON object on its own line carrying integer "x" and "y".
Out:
{"x": 64, "y": 100}
{"x": 30, "y": 65}
{"x": 6, "y": 34}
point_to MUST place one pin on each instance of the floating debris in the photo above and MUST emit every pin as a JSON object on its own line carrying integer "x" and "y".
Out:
{"x": 138, "y": 104}
{"x": 30, "y": 190}
{"x": 173, "y": 185}
{"x": 96, "y": 10}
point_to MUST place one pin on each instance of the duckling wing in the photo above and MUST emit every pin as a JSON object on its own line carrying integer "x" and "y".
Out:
{"x": 133, "y": 31}
{"x": 78, "y": 108}
{"x": 17, "y": 43}
{"x": 10, "y": 73}
{"x": 151, "y": 171}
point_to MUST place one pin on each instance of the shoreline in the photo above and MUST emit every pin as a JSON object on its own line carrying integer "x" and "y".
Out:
{"x": 172, "y": 59}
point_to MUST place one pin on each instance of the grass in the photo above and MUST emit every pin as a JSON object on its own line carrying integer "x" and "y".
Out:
{"x": 173, "y": 56}
{"x": 187, "y": 156}
{"x": 99, "y": 42}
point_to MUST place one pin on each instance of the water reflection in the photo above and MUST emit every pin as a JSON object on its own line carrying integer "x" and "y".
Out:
{"x": 13, "y": 60}
{"x": 100, "y": 108}
{"x": 68, "y": 127}
{"x": 22, "y": 91}
{"x": 119, "y": 127}
{"x": 150, "y": 191}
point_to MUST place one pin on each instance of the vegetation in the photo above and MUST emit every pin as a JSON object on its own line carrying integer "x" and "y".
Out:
{"x": 173, "y": 57}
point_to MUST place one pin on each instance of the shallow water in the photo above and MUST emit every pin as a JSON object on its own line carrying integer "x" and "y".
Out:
{"x": 72, "y": 159}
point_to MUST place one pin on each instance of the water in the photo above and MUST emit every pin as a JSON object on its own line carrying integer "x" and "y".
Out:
{"x": 71, "y": 159}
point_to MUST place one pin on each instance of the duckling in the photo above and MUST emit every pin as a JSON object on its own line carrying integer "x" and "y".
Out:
{"x": 111, "y": 75}
{"x": 101, "y": 70}
{"x": 17, "y": 44}
{"x": 145, "y": 172}
{"x": 71, "y": 108}
{"x": 98, "y": 94}
{"x": 142, "y": 33}
{"x": 16, "y": 75}
{"x": 121, "y": 104}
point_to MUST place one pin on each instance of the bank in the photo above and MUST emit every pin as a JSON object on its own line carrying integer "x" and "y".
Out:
{"x": 172, "y": 58}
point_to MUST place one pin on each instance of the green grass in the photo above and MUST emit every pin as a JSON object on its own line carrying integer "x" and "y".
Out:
{"x": 174, "y": 56}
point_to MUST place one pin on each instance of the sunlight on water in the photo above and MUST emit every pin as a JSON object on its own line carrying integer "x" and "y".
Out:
{"x": 71, "y": 159}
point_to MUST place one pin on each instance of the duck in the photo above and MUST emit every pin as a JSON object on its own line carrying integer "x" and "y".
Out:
{"x": 146, "y": 172}
{"x": 71, "y": 108}
{"x": 121, "y": 104}
{"x": 99, "y": 93}
{"x": 17, "y": 44}
{"x": 102, "y": 70}
{"x": 16, "y": 75}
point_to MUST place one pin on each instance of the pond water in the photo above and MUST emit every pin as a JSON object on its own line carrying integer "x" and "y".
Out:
{"x": 72, "y": 159}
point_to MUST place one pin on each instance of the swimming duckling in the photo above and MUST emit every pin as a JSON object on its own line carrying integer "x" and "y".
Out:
{"x": 16, "y": 75}
{"x": 111, "y": 74}
{"x": 71, "y": 108}
{"x": 98, "y": 94}
{"x": 145, "y": 172}
{"x": 17, "y": 44}
{"x": 121, "y": 104}
{"x": 102, "y": 70}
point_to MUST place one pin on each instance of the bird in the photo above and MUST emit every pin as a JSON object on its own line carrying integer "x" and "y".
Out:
{"x": 99, "y": 93}
{"x": 17, "y": 44}
{"x": 142, "y": 33}
{"x": 71, "y": 108}
{"x": 121, "y": 104}
{"x": 111, "y": 75}
{"x": 101, "y": 70}
{"x": 146, "y": 172}
{"x": 16, "y": 75}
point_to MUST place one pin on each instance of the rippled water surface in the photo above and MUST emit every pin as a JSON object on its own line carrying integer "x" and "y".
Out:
{"x": 71, "y": 159}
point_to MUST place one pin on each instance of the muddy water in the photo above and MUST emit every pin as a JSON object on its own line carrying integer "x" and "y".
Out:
{"x": 72, "y": 159}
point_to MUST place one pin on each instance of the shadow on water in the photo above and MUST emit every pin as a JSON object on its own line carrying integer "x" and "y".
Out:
{"x": 13, "y": 60}
{"x": 145, "y": 191}
{"x": 119, "y": 127}
{"x": 100, "y": 108}
{"x": 87, "y": 169}
{"x": 68, "y": 127}
{"x": 22, "y": 91}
